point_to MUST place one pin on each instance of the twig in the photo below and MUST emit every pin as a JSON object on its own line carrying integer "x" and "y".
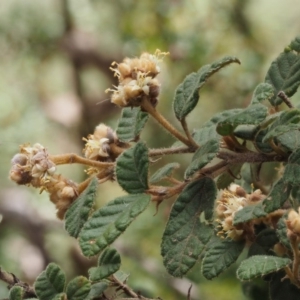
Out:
{"x": 148, "y": 107}
{"x": 282, "y": 95}
{"x": 126, "y": 289}
{"x": 12, "y": 280}
{"x": 71, "y": 158}
{"x": 166, "y": 151}
{"x": 187, "y": 132}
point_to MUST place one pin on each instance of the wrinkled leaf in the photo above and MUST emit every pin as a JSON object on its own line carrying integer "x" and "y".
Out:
{"x": 260, "y": 265}
{"x": 96, "y": 290}
{"x": 225, "y": 179}
{"x": 78, "y": 288}
{"x": 264, "y": 91}
{"x": 107, "y": 223}
{"x": 292, "y": 170}
{"x": 295, "y": 44}
{"x": 252, "y": 115}
{"x": 278, "y": 195}
{"x": 246, "y": 132}
{"x": 109, "y": 263}
{"x": 16, "y": 293}
{"x": 164, "y": 172}
{"x": 219, "y": 256}
{"x": 208, "y": 130}
{"x": 284, "y": 75}
{"x": 131, "y": 124}
{"x": 185, "y": 237}
{"x": 249, "y": 213}
{"x": 202, "y": 157}
{"x": 132, "y": 169}
{"x": 282, "y": 231}
{"x": 79, "y": 211}
{"x": 187, "y": 93}
{"x": 50, "y": 282}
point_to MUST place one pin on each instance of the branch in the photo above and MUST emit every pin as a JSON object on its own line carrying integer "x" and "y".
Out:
{"x": 12, "y": 280}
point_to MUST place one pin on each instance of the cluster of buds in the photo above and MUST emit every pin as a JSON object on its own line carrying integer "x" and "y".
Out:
{"x": 232, "y": 200}
{"x": 32, "y": 166}
{"x": 103, "y": 145}
{"x": 137, "y": 79}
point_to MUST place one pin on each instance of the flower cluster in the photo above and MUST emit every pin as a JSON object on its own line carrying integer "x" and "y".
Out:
{"x": 103, "y": 144}
{"x": 232, "y": 200}
{"x": 32, "y": 166}
{"x": 137, "y": 79}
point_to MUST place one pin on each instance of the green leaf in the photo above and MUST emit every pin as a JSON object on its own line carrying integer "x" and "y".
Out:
{"x": 249, "y": 213}
{"x": 132, "y": 169}
{"x": 16, "y": 293}
{"x": 131, "y": 124}
{"x": 287, "y": 120}
{"x": 60, "y": 296}
{"x": 79, "y": 211}
{"x": 284, "y": 75}
{"x": 185, "y": 238}
{"x": 278, "y": 195}
{"x": 208, "y": 130}
{"x": 292, "y": 170}
{"x": 78, "y": 288}
{"x": 281, "y": 289}
{"x": 187, "y": 93}
{"x": 219, "y": 256}
{"x": 289, "y": 140}
{"x": 295, "y": 44}
{"x": 260, "y": 145}
{"x": 202, "y": 157}
{"x": 260, "y": 265}
{"x": 96, "y": 290}
{"x": 50, "y": 282}
{"x": 109, "y": 263}
{"x": 107, "y": 223}
{"x": 164, "y": 172}
{"x": 281, "y": 231}
{"x": 264, "y": 91}
{"x": 246, "y": 132}
{"x": 252, "y": 115}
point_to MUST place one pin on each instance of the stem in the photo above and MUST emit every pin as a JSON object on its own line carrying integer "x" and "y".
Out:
{"x": 282, "y": 95}
{"x": 126, "y": 289}
{"x": 12, "y": 280}
{"x": 147, "y": 106}
{"x": 166, "y": 151}
{"x": 187, "y": 132}
{"x": 71, "y": 158}
{"x": 294, "y": 244}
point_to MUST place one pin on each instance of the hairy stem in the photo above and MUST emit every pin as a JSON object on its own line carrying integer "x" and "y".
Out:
{"x": 71, "y": 158}
{"x": 12, "y": 280}
{"x": 187, "y": 132}
{"x": 148, "y": 107}
{"x": 166, "y": 151}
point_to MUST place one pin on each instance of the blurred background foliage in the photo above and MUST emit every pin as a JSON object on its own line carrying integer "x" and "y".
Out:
{"x": 54, "y": 68}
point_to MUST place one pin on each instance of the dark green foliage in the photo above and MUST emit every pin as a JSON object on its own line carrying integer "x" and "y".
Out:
{"x": 16, "y": 293}
{"x": 109, "y": 263}
{"x": 107, "y": 223}
{"x": 50, "y": 283}
{"x": 185, "y": 236}
{"x": 131, "y": 123}
{"x": 202, "y": 157}
{"x": 132, "y": 169}
{"x": 249, "y": 213}
{"x": 79, "y": 211}
{"x": 164, "y": 172}
{"x": 78, "y": 288}
{"x": 220, "y": 254}
{"x": 187, "y": 93}
{"x": 278, "y": 195}
{"x": 260, "y": 265}
{"x": 252, "y": 115}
